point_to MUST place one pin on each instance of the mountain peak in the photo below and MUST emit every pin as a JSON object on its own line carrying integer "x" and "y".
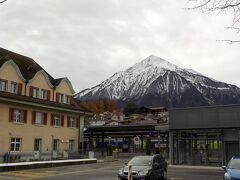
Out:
{"x": 155, "y": 81}
{"x": 155, "y": 61}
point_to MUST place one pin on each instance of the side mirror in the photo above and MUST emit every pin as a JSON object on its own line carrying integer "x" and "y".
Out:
{"x": 224, "y": 168}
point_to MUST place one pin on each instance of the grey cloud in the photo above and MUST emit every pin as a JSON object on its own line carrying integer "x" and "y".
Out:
{"x": 89, "y": 40}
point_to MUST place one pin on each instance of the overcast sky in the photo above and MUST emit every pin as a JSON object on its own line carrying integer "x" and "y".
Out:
{"x": 89, "y": 40}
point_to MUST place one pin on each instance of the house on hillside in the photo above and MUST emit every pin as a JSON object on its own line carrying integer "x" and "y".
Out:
{"x": 149, "y": 115}
{"x": 39, "y": 117}
{"x": 106, "y": 118}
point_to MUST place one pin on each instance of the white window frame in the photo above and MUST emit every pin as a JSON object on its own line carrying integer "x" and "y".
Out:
{"x": 39, "y": 118}
{"x": 43, "y": 94}
{"x": 71, "y": 145}
{"x": 13, "y": 87}
{"x": 35, "y": 92}
{"x": 16, "y": 144}
{"x": 3, "y": 85}
{"x": 57, "y": 120}
{"x": 18, "y": 115}
{"x": 61, "y": 98}
{"x": 73, "y": 122}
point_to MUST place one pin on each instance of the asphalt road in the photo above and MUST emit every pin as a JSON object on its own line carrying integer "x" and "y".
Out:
{"x": 105, "y": 171}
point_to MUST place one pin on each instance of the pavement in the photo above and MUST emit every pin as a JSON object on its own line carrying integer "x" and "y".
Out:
{"x": 107, "y": 171}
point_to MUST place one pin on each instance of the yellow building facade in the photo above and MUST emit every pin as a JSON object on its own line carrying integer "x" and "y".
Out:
{"x": 39, "y": 119}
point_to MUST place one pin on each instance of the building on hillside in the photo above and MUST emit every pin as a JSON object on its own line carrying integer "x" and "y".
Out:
{"x": 39, "y": 118}
{"x": 149, "y": 115}
{"x": 106, "y": 118}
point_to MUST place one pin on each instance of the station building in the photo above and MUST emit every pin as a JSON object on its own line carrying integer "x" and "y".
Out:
{"x": 207, "y": 135}
{"x": 39, "y": 119}
{"x": 204, "y": 135}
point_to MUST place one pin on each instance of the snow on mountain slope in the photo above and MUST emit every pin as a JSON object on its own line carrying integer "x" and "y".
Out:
{"x": 155, "y": 79}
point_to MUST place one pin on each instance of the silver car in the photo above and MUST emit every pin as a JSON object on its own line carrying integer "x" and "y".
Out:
{"x": 145, "y": 168}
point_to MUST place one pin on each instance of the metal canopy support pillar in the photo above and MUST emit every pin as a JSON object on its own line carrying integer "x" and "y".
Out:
{"x": 219, "y": 148}
{"x": 191, "y": 147}
{"x": 170, "y": 147}
{"x": 178, "y": 136}
{"x": 102, "y": 143}
{"x": 158, "y": 146}
{"x": 224, "y": 155}
{"x": 91, "y": 141}
{"x": 141, "y": 142}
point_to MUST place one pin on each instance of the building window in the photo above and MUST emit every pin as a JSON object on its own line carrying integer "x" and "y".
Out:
{"x": 35, "y": 92}
{"x": 57, "y": 120}
{"x": 71, "y": 145}
{"x": 3, "y": 85}
{"x": 14, "y": 87}
{"x": 43, "y": 94}
{"x": 56, "y": 145}
{"x": 18, "y": 116}
{"x": 72, "y": 121}
{"x": 67, "y": 99}
{"x": 16, "y": 144}
{"x": 39, "y": 118}
{"x": 60, "y": 98}
{"x": 37, "y": 144}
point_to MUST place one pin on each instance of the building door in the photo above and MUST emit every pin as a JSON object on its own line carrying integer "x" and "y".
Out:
{"x": 232, "y": 149}
{"x": 55, "y": 148}
{"x": 37, "y": 148}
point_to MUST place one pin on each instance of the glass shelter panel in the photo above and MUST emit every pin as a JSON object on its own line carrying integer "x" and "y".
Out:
{"x": 197, "y": 147}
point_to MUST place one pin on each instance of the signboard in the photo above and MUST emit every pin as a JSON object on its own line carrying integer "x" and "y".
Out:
{"x": 136, "y": 140}
{"x": 162, "y": 128}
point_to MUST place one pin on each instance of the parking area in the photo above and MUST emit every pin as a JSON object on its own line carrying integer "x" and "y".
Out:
{"x": 105, "y": 171}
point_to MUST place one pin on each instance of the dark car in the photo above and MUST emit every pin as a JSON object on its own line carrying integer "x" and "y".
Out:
{"x": 232, "y": 170}
{"x": 145, "y": 168}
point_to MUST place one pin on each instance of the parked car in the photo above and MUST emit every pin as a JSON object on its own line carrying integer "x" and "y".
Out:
{"x": 232, "y": 170}
{"x": 145, "y": 168}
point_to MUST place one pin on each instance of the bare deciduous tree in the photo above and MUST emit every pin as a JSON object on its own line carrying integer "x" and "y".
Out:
{"x": 219, "y": 6}
{"x": 2, "y": 1}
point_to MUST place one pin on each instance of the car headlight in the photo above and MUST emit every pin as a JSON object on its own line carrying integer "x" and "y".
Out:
{"x": 143, "y": 172}
{"x": 226, "y": 176}
{"x": 120, "y": 172}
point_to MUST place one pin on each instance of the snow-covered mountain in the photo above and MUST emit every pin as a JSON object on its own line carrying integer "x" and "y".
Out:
{"x": 157, "y": 82}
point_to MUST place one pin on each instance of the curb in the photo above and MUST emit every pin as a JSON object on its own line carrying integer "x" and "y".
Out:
{"x": 44, "y": 164}
{"x": 195, "y": 167}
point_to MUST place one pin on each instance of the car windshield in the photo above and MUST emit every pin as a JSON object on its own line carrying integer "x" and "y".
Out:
{"x": 141, "y": 161}
{"x": 234, "y": 164}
